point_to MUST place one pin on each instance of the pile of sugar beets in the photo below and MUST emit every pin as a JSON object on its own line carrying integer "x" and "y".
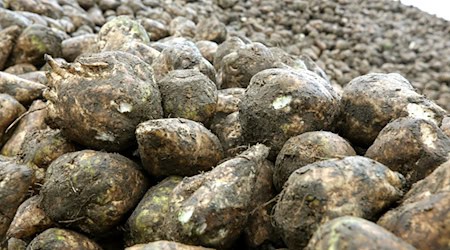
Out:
{"x": 125, "y": 126}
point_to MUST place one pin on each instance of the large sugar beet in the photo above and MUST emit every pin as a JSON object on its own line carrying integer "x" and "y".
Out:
{"x": 182, "y": 55}
{"x": 188, "y": 94}
{"x": 43, "y": 146}
{"x": 177, "y": 147}
{"x": 91, "y": 191}
{"x": 238, "y": 67}
{"x": 413, "y": 147}
{"x": 308, "y": 148}
{"x": 119, "y": 32}
{"x": 353, "y": 233}
{"x": 212, "y": 209}
{"x": 371, "y": 101}
{"x": 34, "y": 42}
{"x": 57, "y": 238}
{"x": 281, "y": 103}
{"x": 146, "y": 221}
{"x": 424, "y": 223}
{"x": 325, "y": 190}
{"x": 438, "y": 181}
{"x": 100, "y": 99}
{"x": 230, "y": 45}
{"x": 29, "y": 220}
{"x": 14, "y": 182}
{"x": 75, "y": 46}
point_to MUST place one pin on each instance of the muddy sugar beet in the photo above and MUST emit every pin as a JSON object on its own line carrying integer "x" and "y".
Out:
{"x": 100, "y": 99}
{"x": 293, "y": 101}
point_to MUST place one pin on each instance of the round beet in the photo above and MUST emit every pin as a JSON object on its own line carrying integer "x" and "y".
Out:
{"x": 56, "y": 238}
{"x": 100, "y": 99}
{"x": 353, "y": 233}
{"x": 371, "y": 101}
{"x": 91, "y": 191}
{"x": 146, "y": 222}
{"x": 238, "y": 67}
{"x": 413, "y": 147}
{"x": 34, "y": 42}
{"x": 188, "y": 94}
{"x": 308, "y": 148}
{"x": 177, "y": 147}
{"x": 182, "y": 54}
{"x": 325, "y": 190}
{"x": 115, "y": 34}
{"x": 281, "y": 103}
{"x": 423, "y": 223}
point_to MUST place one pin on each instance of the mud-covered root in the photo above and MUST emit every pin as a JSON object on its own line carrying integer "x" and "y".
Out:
{"x": 147, "y": 220}
{"x": 155, "y": 29}
{"x": 10, "y": 110}
{"x": 424, "y": 223}
{"x": 29, "y": 220}
{"x": 182, "y": 27}
{"x": 141, "y": 50}
{"x": 237, "y": 68}
{"x": 228, "y": 100}
{"x": 23, "y": 90}
{"x": 49, "y": 8}
{"x": 33, "y": 120}
{"x": 16, "y": 244}
{"x": 208, "y": 49}
{"x": 177, "y": 147}
{"x": 57, "y": 238}
{"x": 211, "y": 29}
{"x": 228, "y": 130}
{"x": 325, "y": 190}
{"x": 259, "y": 229}
{"x": 226, "y": 124}
{"x": 182, "y": 55}
{"x": 100, "y": 99}
{"x": 165, "y": 245}
{"x": 8, "y": 37}
{"x": 14, "y": 182}
{"x": 115, "y": 34}
{"x": 438, "y": 181}
{"x": 39, "y": 149}
{"x": 230, "y": 45}
{"x": 76, "y": 46}
{"x": 33, "y": 43}
{"x": 188, "y": 94}
{"x": 42, "y": 147}
{"x": 308, "y": 148}
{"x": 298, "y": 62}
{"x": 281, "y": 103}
{"x": 413, "y": 147}
{"x": 218, "y": 220}
{"x": 353, "y": 233}
{"x": 91, "y": 191}
{"x": 371, "y": 101}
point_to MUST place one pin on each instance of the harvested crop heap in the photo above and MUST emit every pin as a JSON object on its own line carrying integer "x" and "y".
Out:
{"x": 223, "y": 124}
